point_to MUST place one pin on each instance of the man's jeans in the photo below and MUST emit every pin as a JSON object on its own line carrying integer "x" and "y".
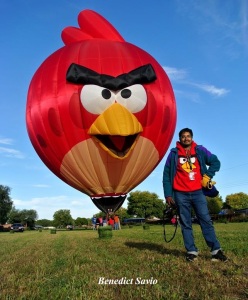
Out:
{"x": 185, "y": 201}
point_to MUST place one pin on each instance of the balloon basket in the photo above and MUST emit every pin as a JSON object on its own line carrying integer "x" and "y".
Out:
{"x": 146, "y": 227}
{"x": 105, "y": 232}
{"x": 53, "y": 231}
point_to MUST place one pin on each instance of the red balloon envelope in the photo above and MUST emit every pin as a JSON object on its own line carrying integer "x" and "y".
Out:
{"x": 101, "y": 112}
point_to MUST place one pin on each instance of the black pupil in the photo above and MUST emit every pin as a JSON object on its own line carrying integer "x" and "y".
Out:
{"x": 126, "y": 93}
{"x": 106, "y": 94}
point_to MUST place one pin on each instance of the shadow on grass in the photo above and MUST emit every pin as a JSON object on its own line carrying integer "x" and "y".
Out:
{"x": 154, "y": 247}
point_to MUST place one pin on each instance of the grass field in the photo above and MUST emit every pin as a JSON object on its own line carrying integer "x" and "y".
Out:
{"x": 133, "y": 264}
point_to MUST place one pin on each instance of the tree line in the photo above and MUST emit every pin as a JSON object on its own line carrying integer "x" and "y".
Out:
{"x": 142, "y": 204}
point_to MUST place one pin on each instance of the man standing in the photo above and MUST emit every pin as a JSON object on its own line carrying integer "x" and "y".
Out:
{"x": 93, "y": 221}
{"x": 116, "y": 222}
{"x": 185, "y": 173}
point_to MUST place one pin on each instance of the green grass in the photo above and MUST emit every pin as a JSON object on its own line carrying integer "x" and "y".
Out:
{"x": 69, "y": 264}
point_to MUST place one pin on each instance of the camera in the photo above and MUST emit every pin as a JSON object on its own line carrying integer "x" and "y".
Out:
{"x": 170, "y": 211}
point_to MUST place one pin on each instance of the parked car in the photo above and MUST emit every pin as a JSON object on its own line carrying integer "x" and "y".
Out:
{"x": 17, "y": 227}
{"x": 69, "y": 227}
{"x": 37, "y": 227}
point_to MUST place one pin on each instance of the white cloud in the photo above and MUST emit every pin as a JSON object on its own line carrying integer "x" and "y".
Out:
{"x": 76, "y": 202}
{"x": 174, "y": 73}
{"x": 41, "y": 185}
{"x": 12, "y": 153}
{"x": 228, "y": 22}
{"x": 47, "y": 206}
{"x": 6, "y": 141}
{"x": 244, "y": 22}
{"x": 211, "y": 89}
{"x": 9, "y": 152}
{"x": 47, "y": 201}
{"x": 192, "y": 96}
{"x": 180, "y": 76}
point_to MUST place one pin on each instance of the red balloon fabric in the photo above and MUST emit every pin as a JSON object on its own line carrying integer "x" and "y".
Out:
{"x": 100, "y": 112}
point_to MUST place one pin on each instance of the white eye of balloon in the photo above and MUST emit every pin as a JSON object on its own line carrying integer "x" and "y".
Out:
{"x": 96, "y": 99}
{"x": 133, "y": 97}
{"x": 192, "y": 160}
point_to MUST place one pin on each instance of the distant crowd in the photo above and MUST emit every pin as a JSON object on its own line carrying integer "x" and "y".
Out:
{"x": 110, "y": 220}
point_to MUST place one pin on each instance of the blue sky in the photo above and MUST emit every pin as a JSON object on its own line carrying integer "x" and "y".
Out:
{"x": 203, "y": 46}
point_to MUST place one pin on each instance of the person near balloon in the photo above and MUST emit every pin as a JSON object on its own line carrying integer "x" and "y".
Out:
{"x": 104, "y": 221}
{"x": 116, "y": 222}
{"x": 93, "y": 221}
{"x": 188, "y": 169}
{"x": 111, "y": 221}
{"x": 97, "y": 222}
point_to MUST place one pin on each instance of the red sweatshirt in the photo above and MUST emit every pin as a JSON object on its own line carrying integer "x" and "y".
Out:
{"x": 188, "y": 176}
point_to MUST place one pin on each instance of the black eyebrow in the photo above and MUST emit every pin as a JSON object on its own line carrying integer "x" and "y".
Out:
{"x": 82, "y": 75}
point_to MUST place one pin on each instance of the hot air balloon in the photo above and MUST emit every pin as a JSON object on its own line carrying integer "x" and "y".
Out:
{"x": 100, "y": 112}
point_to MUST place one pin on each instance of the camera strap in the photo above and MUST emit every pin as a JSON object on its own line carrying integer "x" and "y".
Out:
{"x": 176, "y": 224}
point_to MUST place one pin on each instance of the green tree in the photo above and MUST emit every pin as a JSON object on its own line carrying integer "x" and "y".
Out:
{"x": 237, "y": 201}
{"x": 5, "y": 203}
{"x": 44, "y": 222}
{"x": 14, "y": 216}
{"x": 215, "y": 204}
{"x": 29, "y": 217}
{"x": 145, "y": 204}
{"x": 81, "y": 221}
{"x": 62, "y": 217}
{"x": 24, "y": 216}
{"x": 122, "y": 213}
{"x": 100, "y": 214}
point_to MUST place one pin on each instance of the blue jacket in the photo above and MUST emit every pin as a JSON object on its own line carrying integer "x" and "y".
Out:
{"x": 205, "y": 158}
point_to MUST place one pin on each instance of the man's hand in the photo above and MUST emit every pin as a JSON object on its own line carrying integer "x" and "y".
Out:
{"x": 206, "y": 182}
{"x": 170, "y": 201}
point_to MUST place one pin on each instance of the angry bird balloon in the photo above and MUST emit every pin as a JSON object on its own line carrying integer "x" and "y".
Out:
{"x": 100, "y": 112}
